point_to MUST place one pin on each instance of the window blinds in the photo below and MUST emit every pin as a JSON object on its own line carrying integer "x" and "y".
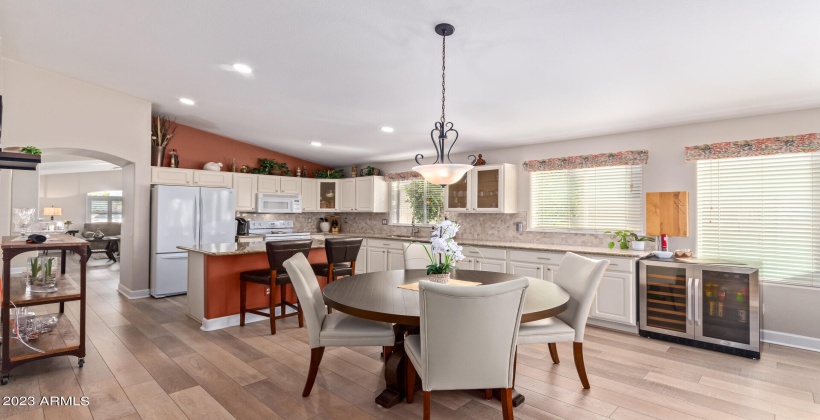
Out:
{"x": 763, "y": 210}
{"x": 416, "y": 200}
{"x": 594, "y": 199}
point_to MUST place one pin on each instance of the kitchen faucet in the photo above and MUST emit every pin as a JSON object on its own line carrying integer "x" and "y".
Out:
{"x": 414, "y": 230}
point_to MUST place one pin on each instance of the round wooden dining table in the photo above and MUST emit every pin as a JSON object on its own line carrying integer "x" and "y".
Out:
{"x": 378, "y": 297}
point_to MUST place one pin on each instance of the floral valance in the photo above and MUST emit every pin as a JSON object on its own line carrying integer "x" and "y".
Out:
{"x": 403, "y": 176}
{"x": 629, "y": 157}
{"x": 802, "y": 143}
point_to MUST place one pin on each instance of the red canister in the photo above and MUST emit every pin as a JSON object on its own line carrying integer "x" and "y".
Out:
{"x": 664, "y": 242}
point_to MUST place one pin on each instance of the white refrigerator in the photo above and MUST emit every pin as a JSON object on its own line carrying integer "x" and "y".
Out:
{"x": 185, "y": 216}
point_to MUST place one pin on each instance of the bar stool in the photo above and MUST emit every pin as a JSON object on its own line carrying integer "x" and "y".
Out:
{"x": 276, "y": 275}
{"x": 341, "y": 258}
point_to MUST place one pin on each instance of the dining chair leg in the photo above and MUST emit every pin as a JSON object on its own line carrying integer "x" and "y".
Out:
{"x": 301, "y": 316}
{"x": 578, "y": 354}
{"x": 410, "y": 372}
{"x": 282, "y": 300}
{"x": 386, "y": 352}
{"x": 488, "y": 394}
{"x": 243, "y": 292}
{"x": 506, "y": 403}
{"x": 554, "y": 353}
{"x": 272, "y": 295}
{"x": 426, "y": 405}
{"x": 315, "y": 358}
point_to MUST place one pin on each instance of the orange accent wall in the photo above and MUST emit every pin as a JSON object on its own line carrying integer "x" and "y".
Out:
{"x": 222, "y": 282}
{"x": 196, "y": 148}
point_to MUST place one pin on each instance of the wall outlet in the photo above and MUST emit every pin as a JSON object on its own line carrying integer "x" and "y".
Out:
{"x": 267, "y": 291}
{"x": 384, "y": 221}
{"x": 310, "y": 220}
{"x": 345, "y": 219}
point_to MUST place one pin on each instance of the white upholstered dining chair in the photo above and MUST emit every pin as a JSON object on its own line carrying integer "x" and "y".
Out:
{"x": 580, "y": 277}
{"x": 467, "y": 339}
{"x": 415, "y": 257}
{"x": 330, "y": 330}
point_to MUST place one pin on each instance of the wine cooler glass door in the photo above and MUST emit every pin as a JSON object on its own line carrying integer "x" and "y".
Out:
{"x": 727, "y": 314}
{"x": 666, "y": 300}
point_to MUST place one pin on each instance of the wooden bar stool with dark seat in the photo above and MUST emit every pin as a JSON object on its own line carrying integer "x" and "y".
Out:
{"x": 341, "y": 258}
{"x": 276, "y": 275}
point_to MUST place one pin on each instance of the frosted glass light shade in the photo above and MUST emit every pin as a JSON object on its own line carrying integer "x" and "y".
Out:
{"x": 443, "y": 174}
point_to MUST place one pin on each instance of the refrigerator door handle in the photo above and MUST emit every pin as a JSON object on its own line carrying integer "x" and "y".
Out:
{"x": 696, "y": 299}
{"x": 691, "y": 296}
{"x": 197, "y": 227}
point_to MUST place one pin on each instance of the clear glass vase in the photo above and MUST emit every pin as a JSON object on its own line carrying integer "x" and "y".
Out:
{"x": 41, "y": 274}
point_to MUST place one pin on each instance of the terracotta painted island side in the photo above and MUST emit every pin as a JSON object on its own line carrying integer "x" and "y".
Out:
{"x": 213, "y": 282}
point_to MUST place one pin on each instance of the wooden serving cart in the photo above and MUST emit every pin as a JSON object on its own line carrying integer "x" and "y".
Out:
{"x": 64, "y": 339}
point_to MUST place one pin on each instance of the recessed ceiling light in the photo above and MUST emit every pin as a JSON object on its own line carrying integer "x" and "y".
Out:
{"x": 316, "y": 144}
{"x": 242, "y": 68}
{"x": 387, "y": 129}
{"x": 187, "y": 101}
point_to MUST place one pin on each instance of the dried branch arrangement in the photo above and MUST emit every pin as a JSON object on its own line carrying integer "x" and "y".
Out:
{"x": 162, "y": 130}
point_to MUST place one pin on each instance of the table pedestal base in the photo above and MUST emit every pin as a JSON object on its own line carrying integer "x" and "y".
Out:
{"x": 394, "y": 370}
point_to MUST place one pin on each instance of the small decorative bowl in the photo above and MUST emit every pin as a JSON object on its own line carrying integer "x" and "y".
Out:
{"x": 663, "y": 254}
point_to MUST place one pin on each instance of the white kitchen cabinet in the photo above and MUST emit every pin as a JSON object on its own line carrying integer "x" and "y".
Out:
{"x": 172, "y": 176}
{"x": 245, "y": 186}
{"x": 213, "y": 179}
{"x": 615, "y": 300}
{"x": 367, "y": 194}
{"x": 376, "y": 259}
{"x": 347, "y": 194}
{"x": 395, "y": 259}
{"x": 496, "y": 266}
{"x": 290, "y": 185}
{"x": 279, "y": 184}
{"x": 527, "y": 269}
{"x": 484, "y": 189}
{"x": 540, "y": 265}
{"x": 310, "y": 194}
{"x": 268, "y": 184}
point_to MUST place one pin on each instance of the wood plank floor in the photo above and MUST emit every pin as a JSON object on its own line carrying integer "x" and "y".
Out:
{"x": 147, "y": 359}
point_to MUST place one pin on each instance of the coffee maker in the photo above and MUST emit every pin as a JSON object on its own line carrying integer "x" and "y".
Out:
{"x": 242, "y": 226}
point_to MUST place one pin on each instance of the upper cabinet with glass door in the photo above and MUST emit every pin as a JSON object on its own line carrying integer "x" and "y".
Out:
{"x": 485, "y": 189}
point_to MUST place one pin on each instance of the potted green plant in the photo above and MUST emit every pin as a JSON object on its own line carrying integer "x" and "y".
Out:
{"x": 266, "y": 166}
{"x": 31, "y": 150}
{"x": 620, "y": 236}
{"x": 638, "y": 243}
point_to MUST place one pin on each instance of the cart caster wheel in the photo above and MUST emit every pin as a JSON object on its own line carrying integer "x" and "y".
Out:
{"x": 4, "y": 380}
{"x": 81, "y": 362}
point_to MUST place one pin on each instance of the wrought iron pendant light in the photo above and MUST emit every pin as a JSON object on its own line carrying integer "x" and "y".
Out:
{"x": 440, "y": 172}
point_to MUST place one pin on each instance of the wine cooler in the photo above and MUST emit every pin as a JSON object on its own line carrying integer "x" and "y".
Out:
{"x": 708, "y": 304}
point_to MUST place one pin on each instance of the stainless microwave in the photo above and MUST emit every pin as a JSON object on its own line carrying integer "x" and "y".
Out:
{"x": 278, "y": 203}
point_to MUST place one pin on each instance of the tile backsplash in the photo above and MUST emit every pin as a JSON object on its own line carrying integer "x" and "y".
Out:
{"x": 491, "y": 227}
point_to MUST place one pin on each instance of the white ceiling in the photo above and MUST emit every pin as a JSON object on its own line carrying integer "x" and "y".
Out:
{"x": 518, "y": 72}
{"x": 68, "y": 164}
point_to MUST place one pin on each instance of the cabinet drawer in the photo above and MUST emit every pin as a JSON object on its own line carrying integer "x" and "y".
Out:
{"x": 485, "y": 253}
{"x": 383, "y": 243}
{"x": 552, "y": 258}
{"x": 626, "y": 265}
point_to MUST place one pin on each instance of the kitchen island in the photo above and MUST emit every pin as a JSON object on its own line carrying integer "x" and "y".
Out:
{"x": 213, "y": 281}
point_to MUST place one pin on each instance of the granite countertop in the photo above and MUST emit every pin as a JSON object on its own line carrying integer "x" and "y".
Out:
{"x": 526, "y": 246}
{"x": 233, "y": 248}
{"x": 225, "y": 249}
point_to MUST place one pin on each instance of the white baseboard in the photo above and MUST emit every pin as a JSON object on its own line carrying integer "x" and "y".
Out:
{"x": 791, "y": 340}
{"x": 133, "y": 294}
{"x": 612, "y": 325}
{"x": 233, "y": 320}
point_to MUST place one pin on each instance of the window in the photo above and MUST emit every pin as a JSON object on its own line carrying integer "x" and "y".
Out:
{"x": 762, "y": 210}
{"x": 104, "y": 206}
{"x": 416, "y": 201}
{"x": 589, "y": 199}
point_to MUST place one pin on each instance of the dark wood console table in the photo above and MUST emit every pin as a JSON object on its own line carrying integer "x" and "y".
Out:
{"x": 64, "y": 339}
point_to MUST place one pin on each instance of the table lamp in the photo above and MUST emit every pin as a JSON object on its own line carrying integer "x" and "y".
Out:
{"x": 52, "y": 211}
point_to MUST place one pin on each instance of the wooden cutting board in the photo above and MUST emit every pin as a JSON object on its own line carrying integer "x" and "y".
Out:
{"x": 667, "y": 212}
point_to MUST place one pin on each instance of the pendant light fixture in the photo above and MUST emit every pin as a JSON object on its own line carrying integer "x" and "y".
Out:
{"x": 440, "y": 172}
